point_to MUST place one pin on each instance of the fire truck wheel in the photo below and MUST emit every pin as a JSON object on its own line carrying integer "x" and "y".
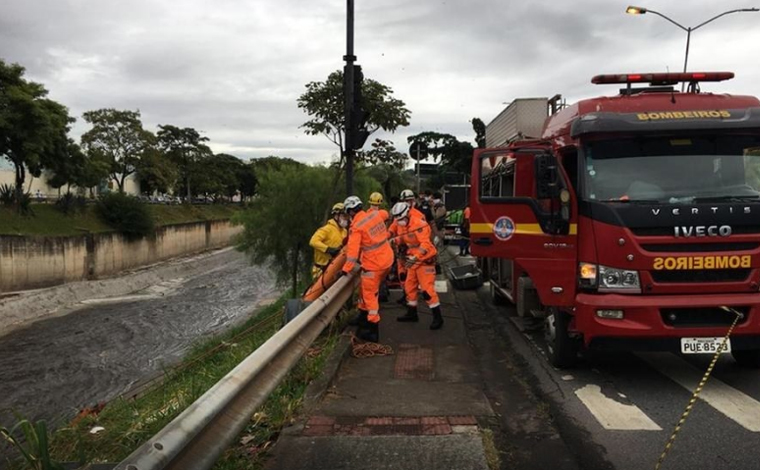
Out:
{"x": 747, "y": 358}
{"x": 563, "y": 349}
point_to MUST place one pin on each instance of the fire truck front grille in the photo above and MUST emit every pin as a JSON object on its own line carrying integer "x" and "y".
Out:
{"x": 698, "y": 247}
{"x": 701, "y": 317}
{"x": 700, "y": 275}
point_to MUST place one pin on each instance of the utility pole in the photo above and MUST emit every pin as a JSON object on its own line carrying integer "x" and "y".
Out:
{"x": 348, "y": 87}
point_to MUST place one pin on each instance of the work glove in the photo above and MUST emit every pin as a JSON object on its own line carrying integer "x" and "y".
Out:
{"x": 402, "y": 277}
{"x": 436, "y": 240}
{"x": 410, "y": 262}
{"x": 333, "y": 251}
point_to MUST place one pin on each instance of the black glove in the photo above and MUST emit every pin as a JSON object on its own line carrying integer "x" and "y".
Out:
{"x": 402, "y": 277}
{"x": 333, "y": 251}
{"x": 341, "y": 274}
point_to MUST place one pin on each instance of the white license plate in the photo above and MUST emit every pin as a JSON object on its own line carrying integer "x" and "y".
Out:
{"x": 703, "y": 345}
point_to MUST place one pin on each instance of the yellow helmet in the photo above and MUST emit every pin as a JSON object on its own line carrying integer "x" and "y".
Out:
{"x": 337, "y": 207}
{"x": 375, "y": 199}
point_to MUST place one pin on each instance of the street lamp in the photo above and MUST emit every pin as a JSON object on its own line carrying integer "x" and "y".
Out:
{"x": 634, "y": 10}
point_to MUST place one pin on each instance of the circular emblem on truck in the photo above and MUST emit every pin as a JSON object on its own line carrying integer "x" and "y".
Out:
{"x": 503, "y": 228}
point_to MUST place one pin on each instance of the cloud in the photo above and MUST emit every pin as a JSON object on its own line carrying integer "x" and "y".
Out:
{"x": 234, "y": 68}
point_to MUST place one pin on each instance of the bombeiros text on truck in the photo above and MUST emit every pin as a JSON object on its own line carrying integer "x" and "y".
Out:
{"x": 632, "y": 222}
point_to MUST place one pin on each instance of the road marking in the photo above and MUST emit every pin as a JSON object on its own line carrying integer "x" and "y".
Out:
{"x": 612, "y": 414}
{"x": 734, "y": 404}
{"x": 441, "y": 286}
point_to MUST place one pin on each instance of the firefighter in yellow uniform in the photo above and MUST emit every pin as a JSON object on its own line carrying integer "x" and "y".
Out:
{"x": 328, "y": 240}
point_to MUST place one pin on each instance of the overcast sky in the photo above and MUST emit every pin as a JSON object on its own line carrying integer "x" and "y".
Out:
{"x": 233, "y": 69}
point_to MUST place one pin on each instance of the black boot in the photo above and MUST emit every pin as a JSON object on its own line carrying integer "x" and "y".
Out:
{"x": 411, "y": 315}
{"x": 370, "y": 332}
{"x": 437, "y": 318}
{"x": 362, "y": 315}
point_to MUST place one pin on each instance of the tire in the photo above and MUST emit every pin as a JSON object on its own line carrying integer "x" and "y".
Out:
{"x": 747, "y": 358}
{"x": 563, "y": 349}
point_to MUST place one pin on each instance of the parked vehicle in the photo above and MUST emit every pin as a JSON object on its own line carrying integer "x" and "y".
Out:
{"x": 632, "y": 222}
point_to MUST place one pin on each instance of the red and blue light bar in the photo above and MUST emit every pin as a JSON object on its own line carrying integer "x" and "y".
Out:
{"x": 662, "y": 78}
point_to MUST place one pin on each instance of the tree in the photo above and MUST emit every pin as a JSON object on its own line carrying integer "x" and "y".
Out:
{"x": 455, "y": 156}
{"x": 119, "y": 137}
{"x": 382, "y": 152}
{"x": 324, "y": 103}
{"x": 248, "y": 181}
{"x": 156, "y": 172}
{"x": 186, "y": 148}
{"x": 218, "y": 175}
{"x": 480, "y": 132}
{"x": 96, "y": 168}
{"x": 68, "y": 169}
{"x": 289, "y": 208}
{"x": 33, "y": 128}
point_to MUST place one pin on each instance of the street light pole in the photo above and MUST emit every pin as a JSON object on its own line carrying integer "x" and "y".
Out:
{"x": 348, "y": 87}
{"x": 633, "y": 10}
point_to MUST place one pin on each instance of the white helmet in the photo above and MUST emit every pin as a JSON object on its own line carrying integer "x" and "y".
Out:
{"x": 352, "y": 203}
{"x": 406, "y": 195}
{"x": 400, "y": 210}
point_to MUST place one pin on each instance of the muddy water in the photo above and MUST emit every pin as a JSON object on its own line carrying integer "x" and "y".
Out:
{"x": 55, "y": 367}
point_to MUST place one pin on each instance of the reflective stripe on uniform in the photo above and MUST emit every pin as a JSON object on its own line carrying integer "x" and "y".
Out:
{"x": 375, "y": 246}
{"x": 365, "y": 220}
{"x": 368, "y": 274}
{"x": 434, "y": 305}
{"x": 352, "y": 260}
{"x": 412, "y": 303}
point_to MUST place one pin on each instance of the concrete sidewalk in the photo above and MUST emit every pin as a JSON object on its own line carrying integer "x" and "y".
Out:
{"x": 421, "y": 408}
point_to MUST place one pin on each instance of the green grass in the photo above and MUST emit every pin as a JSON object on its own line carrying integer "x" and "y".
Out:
{"x": 47, "y": 221}
{"x": 130, "y": 422}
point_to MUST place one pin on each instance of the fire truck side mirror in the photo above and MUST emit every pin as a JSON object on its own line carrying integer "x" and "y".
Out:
{"x": 547, "y": 177}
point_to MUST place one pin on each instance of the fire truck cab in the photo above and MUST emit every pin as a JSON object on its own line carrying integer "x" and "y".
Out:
{"x": 633, "y": 223}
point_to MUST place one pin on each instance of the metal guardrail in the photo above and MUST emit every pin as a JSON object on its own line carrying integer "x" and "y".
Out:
{"x": 196, "y": 438}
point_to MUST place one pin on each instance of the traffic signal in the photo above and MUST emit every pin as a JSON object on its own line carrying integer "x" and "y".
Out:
{"x": 359, "y": 116}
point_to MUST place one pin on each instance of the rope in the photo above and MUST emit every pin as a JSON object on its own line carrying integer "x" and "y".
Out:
{"x": 698, "y": 390}
{"x": 363, "y": 350}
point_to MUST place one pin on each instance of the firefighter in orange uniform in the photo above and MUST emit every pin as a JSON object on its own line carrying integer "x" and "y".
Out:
{"x": 414, "y": 233}
{"x": 368, "y": 250}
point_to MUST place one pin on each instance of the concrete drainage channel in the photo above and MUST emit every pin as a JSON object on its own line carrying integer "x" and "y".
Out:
{"x": 19, "y": 309}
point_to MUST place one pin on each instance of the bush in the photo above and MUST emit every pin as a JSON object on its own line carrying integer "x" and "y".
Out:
{"x": 7, "y": 195}
{"x": 126, "y": 214}
{"x": 8, "y": 199}
{"x": 69, "y": 204}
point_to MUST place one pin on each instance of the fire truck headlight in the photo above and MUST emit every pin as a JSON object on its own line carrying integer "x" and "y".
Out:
{"x": 587, "y": 275}
{"x": 618, "y": 280}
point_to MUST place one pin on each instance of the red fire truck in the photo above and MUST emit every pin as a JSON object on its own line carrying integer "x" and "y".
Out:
{"x": 633, "y": 223}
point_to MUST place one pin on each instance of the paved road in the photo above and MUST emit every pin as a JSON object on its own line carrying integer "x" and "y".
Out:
{"x": 619, "y": 410}
{"x": 54, "y": 367}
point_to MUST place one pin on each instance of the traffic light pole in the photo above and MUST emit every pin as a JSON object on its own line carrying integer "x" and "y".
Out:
{"x": 348, "y": 87}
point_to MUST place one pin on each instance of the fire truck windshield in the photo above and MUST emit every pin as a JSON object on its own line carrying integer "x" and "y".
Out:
{"x": 672, "y": 169}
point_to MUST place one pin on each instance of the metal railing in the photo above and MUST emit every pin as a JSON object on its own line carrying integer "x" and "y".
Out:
{"x": 196, "y": 438}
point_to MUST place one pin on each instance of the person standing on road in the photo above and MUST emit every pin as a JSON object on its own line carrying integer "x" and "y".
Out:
{"x": 406, "y": 196}
{"x": 375, "y": 201}
{"x": 464, "y": 246}
{"x": 367, "y": 251}
{"x": 414, "y": 233}
{"x": 328, "y": 240}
